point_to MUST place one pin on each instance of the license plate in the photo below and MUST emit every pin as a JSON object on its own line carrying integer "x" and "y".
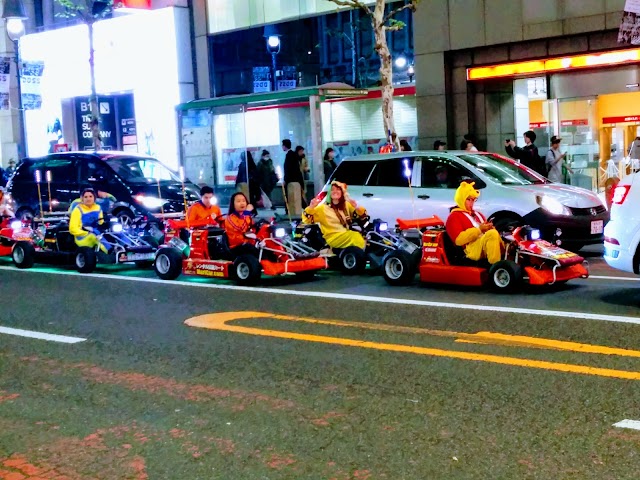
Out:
{"x": 135, "y": 257}
{"x": 597, "y": 226}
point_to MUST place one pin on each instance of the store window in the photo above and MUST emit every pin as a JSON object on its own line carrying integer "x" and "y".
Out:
{"x": 355, "y": 127}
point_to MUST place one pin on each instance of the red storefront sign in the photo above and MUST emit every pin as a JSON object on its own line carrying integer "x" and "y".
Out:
{"x": 628, "y": 118}
{"x": 538, "y": 125}
{"x": 573, "y": 123}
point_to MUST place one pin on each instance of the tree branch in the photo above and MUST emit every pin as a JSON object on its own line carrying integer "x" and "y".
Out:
{"x": 411, "y": 6}
{"x": 355, "y": 4}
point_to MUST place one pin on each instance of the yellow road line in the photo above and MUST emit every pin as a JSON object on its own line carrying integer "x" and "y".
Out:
{"x": 218, "y": 321}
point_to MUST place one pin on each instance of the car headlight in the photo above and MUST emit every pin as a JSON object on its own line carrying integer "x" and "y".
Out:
{"x": 16, "y": 225}
{"x": 280, "y": 232}
{"x": 116, "y": 228}
{"x": 552, "y": 205}
{"x": 150, "y": 202}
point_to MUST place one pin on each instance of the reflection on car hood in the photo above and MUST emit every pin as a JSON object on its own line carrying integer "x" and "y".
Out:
{"x": 566, "y": 194}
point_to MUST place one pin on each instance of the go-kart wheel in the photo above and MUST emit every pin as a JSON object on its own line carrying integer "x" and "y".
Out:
{"x": 353, "y": 261}
{"x": 416, "y": 258}
{"x": 505, "y": 276}
{"x": 247, "y": 270}
{"x": 23, "y": 255}
{"x": 168, "y": 263}
{"x": 398, "y": 268}
{"x": 86, "y": 260}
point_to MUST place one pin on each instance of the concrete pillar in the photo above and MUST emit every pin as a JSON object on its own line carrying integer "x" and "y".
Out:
{"x": 316, "y": 143}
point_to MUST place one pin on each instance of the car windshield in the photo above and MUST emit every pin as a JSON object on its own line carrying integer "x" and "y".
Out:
{"x": 503, "y": 170}
{"x": 141, "y": 170}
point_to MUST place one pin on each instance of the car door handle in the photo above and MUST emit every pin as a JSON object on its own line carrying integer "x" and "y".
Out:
{"x": 367, "y": 194}
{"x": 423, "y": 197}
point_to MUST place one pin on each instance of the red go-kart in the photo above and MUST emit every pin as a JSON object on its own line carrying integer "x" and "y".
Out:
{"x": 526, "y": 259}
{"x": 12, "y": 232}
{"x": 209, "y": 255}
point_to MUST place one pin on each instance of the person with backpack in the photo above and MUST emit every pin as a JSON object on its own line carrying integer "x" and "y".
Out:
{"x": 527, "y": 155}
{"x": 555, "y": 162}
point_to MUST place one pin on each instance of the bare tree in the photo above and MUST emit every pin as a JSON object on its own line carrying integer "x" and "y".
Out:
{"x": 383, "y": 22}
{"x": 89, "y": 12}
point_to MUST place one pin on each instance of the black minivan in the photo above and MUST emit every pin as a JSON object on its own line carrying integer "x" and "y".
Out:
{"x": 141, "y": 185}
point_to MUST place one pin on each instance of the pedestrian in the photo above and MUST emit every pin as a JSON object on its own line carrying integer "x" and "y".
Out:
{"x": 404, "y": 146}
{"x": 439, "y": 145}
{"x": 305, "y": 169}
{"x": 293, "y": 179}
{"x": 10, "y": 168}
{"x": 634, "y": 154}
{"x": 468, "y": 146}
{"x": 555, "y": 162}
{"x": 247, "y": 180}
{"x": 329, "y": 163}
{"x": 528, "y": 155}
{"x": 267, "y": 173}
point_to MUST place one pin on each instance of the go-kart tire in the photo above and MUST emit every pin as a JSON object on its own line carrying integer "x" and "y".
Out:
{"x": 23, "y": 255}
{"x": 505, "y": 276}
{"x": 168, "y": 263}
{"x": 246, "y": 270}
{"x": 85, "y": 260}
{"x": 416, "y": 258}
{"x": 353, "y": 261}
{"x": 398, "y": 268}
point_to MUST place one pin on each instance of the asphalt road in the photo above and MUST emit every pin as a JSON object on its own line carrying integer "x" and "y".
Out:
{"x": 338, "y": 377}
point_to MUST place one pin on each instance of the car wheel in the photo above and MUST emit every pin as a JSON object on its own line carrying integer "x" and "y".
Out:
{"x": 353, "y": 261}
{"x": 505, "y": 276}
{"x": 86, "y": 260}
{"x": 247, "y": 270}
{"x": 125, "y": 217}
{"x": 168, "y": 263}
{"x": 23, "y": 255}
{"x": 398, "y": 268}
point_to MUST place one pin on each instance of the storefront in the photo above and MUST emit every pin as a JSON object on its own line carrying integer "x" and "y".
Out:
{"x": 591, "y": 101}
{"x": 142, "y": 71}
{"x": 216, "y": 133}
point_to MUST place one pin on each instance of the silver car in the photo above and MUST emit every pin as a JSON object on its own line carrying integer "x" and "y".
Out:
{"x": 422, "y": 183}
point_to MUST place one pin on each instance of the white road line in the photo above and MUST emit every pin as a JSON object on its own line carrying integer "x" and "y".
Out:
{"x": 40, "y": 336}
{"x": 633, "y": 424}
{"x": 624, "y": 279}
{"x": 352, "y": 297}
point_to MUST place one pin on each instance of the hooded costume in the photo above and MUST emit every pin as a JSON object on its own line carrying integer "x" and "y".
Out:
{"x": 463, "y": 227}
{"x": 335, "y": 222}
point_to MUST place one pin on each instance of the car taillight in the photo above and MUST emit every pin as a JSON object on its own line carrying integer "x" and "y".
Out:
{"x": 620, "y": 193}
{"x": 321, "y": 196}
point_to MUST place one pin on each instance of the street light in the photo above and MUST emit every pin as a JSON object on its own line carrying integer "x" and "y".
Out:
{"x": 15, "y": 15}
{"x": 273, "y": 47}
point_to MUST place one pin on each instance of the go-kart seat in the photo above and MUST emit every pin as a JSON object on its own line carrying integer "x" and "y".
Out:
{"x": 456, "y": 255}
{"x": 218, "y": 244}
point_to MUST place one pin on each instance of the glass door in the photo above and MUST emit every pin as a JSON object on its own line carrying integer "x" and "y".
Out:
{"x": 577, "y": 122}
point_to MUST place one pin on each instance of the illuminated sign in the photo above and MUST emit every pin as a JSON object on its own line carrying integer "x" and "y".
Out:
{"x": 628, "y": 118}
{"x": 559, "y": 64}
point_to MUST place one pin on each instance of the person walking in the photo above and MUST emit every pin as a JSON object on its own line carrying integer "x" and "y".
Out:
{"x": 329, "y": 163}
{"x": 555, "y": 162}
{"x": 293, "y": 179}
{"x": 267, "y": 173}
{"x": 528, "y": 155}
{"x": 305, "y": 169}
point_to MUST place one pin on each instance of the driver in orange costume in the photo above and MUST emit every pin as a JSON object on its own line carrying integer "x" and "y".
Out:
{"x": 469, "y": 229}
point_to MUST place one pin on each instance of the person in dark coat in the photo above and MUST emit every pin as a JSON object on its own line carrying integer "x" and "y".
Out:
{"x": 247, "y": 180}
{"x": 293, "y": 179}
{"x": 329, "y": 163}
{"x": 528, "y": 155}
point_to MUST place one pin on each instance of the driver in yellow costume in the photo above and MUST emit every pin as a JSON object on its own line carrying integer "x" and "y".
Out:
{"x": 84, "y": 221}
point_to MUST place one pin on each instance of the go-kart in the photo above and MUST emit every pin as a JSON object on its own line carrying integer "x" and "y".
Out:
{"x": 209, "y": 255}
{"x": 50, "y": 242}
{"x": 11, "y": 231}
{"x": 527, "y": 259}
{"x": 396, "y": 257}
